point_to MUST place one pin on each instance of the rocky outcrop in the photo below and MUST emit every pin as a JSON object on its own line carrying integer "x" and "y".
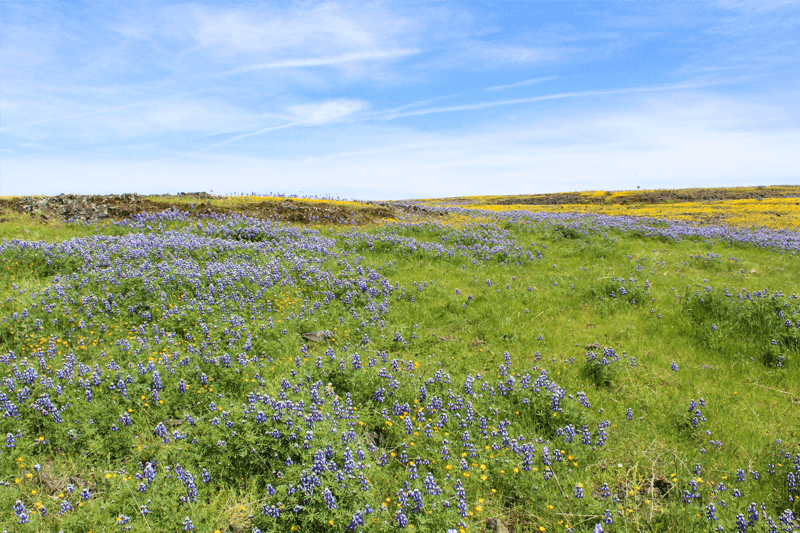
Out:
{"x": 89, "y": 208}
{"x": 74, "y": 207}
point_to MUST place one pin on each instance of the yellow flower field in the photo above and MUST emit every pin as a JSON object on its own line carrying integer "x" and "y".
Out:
{"x": 775, "y": 213}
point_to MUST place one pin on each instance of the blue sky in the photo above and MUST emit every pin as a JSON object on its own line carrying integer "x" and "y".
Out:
{"x": 397, "y": 100}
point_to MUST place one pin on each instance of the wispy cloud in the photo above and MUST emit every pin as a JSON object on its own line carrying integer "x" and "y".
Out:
{"x": 415, "y": 105}
{"x": 662, "y": 140}
{"x": 325, "y": 112}
{"x": 516, "y": 101}
{"x": 520, "y": 83}
{"x": 511, "y": 53}
{"x": 300, "y": 115}
{"x": 100, "y": 111}
{"x": 239, "y": 138}
{"x": 367, "y": 55}
{"x": 275, "y": 32}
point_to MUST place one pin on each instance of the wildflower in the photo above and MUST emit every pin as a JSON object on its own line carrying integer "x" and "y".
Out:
{"x": 21, "y": 512}
{"x": 65, "y": 507}
{"x": 329, "y": 499}
{"x": 357, "y": 520}
{"x": 401, "y": 519}
{"x": 711, "y": 512}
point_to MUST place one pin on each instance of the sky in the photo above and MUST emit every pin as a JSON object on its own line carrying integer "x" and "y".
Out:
{"x": 396, "y": 100}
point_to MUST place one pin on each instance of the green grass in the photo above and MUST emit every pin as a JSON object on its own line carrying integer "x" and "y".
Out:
{"x": 542, "y": 312}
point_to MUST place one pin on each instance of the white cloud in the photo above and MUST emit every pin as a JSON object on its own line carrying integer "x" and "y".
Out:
{"x": 158, "y": 116}
{"x": 520, "y": 83}
{"x": 88, "y": 113}
{"x": 350, "y": 57}
{"x": 325, "y": 112}
{"x": 393, "y": 114}
{"x": 237, "y": 31}
{"x": 658, "y": 142}
{"x": 523, "y": 54}
{"x": 281, "y": 31}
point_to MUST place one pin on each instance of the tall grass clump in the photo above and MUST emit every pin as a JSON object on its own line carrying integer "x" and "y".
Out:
{"x": 756, "y": 325}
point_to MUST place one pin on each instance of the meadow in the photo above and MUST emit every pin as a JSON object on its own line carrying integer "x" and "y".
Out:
{"x": 464, "y": 368}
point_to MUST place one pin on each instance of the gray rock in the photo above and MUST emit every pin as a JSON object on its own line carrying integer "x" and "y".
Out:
{"x": 496, "y": 526}
{"x": 317, "y": 336}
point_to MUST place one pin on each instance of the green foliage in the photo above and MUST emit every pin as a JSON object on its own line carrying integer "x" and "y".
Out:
{"x": 755, "y": 325}
{"x": 619, "y": 291}
{"x": 601, "y": 370}
{"x": 234, "y": 372}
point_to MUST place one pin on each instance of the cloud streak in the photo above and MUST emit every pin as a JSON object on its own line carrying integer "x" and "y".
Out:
{"x": 532, "y": 99}
{"x": 325, "y": 112}
{"x": 100, "y": 111}
{"x": 326, "y": 61}
{"x": 302, "y": 115}
{"x": 520, "y": 83}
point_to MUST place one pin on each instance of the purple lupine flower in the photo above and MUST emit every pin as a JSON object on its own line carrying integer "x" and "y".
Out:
{"x": 21, "y": 512}
{"x": 787, "y": 519}
{"x": 430, "y": 485}
{"x": 161, "y": 431}
{"x": 711, "y": 512}
{"x": 65, "y": 507}
{"x": 401, "y": 519}
{"x": 329, "y": 499}
{"x": 357, "y": 520}
{"x": 741, "y": 523}
{"x": 752, "y": 514}
{"x": 150, "y": 472}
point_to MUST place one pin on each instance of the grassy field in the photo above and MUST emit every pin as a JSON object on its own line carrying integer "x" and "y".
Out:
{"x": 520, "y": 368}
